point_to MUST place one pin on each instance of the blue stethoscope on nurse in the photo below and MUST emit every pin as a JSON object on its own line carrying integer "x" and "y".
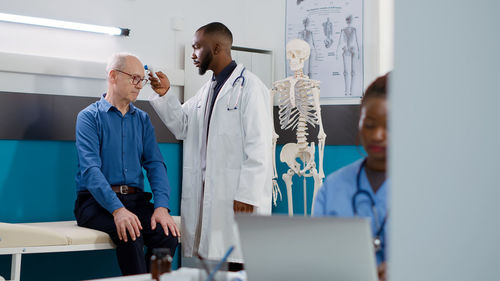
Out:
{"x": 379, "y": 227}
{"x": 233, "y": 104}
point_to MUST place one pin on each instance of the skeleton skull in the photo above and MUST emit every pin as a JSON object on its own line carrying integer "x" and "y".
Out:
{"x": 297, "y": 52}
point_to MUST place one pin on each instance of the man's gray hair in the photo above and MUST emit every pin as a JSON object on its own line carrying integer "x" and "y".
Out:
{"x": 118, "y": 61}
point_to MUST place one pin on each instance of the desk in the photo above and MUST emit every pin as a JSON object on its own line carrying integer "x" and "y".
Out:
{"x": 182, "y": 274}
{"x": 139, "y": 277}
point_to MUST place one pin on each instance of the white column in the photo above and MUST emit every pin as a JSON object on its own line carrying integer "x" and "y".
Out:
{"x": 445, "y": 133}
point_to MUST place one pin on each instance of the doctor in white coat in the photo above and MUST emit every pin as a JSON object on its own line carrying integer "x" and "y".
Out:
{"x": 226, "y": 129}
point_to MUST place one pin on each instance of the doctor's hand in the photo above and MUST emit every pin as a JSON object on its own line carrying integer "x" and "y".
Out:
{"x": 382, "y": 271}
{"x": 162, "y": 217}
{"x": 126, "y": 221}
{"x": 240, "y": 207}
{"x": 160, "y": 86}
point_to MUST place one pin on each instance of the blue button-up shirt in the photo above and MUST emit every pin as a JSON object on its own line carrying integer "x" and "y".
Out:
{"x": 113, "y": 149}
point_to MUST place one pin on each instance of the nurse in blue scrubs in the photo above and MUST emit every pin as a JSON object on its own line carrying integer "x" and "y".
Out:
{"x": 361, "y": 188}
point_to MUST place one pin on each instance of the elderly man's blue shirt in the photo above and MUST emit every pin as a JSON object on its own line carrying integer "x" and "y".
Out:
{"x": 112, "y": 150}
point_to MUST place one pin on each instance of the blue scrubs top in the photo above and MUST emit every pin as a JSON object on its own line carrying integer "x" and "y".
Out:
{"x": 334, "y": 198}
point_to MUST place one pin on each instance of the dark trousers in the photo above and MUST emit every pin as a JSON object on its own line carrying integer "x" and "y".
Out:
{"x": 131, "y": 256}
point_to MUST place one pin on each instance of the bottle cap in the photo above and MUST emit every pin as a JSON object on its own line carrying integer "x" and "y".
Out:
{"x": 161, "y": 252}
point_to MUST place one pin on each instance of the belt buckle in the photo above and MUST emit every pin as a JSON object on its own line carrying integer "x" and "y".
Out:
{"x": 123, "y": 189}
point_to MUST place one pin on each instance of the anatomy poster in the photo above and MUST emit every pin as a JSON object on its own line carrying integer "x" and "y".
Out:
{"x": 334, "y": 31}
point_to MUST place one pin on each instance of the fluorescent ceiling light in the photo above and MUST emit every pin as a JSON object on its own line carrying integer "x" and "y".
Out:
{"x": 65, "y": 24}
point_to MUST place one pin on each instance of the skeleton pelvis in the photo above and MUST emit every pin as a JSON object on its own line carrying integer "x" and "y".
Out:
{"x": 292, "y": 151}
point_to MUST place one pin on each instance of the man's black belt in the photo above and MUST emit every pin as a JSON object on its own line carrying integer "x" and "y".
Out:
{"x": 124, "y": 189}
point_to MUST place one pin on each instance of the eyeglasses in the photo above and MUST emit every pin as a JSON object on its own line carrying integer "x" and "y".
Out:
{"x": 136, "y": 79}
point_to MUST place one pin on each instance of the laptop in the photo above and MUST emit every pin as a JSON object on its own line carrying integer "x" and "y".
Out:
{"x": 283, "y": 248}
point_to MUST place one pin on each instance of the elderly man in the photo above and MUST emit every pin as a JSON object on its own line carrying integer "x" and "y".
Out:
{"x": 226, "y": 129}
{"x": 114, "y": 141}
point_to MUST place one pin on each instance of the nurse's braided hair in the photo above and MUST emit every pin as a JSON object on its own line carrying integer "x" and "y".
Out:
{"x": 377, "y": 89}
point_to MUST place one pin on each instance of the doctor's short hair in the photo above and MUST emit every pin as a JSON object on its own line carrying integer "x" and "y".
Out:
{"x": 377, "y": 89}
{"x": 219, "y": 29}
{"x": 118, "y": 61}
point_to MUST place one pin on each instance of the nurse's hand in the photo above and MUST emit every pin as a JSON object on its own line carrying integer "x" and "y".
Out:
{"x": 240, "y": 207}
{"x": 160, "y": 86}
{"x": 162, "y": 217}
{"x": 382, "y": 271}
{"x": 126, "y": 221}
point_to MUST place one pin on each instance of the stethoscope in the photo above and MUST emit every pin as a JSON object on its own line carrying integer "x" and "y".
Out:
{"x": 377, "y": 242}
{"x": 242, "y": 78}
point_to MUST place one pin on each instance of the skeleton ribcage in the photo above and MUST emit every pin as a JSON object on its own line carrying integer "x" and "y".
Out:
{"x": 297, "y": 103}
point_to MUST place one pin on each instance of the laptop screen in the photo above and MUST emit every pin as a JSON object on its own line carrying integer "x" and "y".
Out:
{"x": 282, "y": 248}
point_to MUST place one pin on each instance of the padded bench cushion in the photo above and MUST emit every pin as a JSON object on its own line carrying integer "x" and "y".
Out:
{"x": 48, "y": 234}
{"x": 14, "y": 235}
{"x": 75, "y": 235}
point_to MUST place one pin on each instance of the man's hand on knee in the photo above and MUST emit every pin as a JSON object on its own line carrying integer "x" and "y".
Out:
{"x": 127, "y": 221}
{"x": 162, "y": 217}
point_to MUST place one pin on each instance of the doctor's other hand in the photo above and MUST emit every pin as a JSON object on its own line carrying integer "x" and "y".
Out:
{"x": 126, "y": 221}
{"x": 240, "y": 207}
{"x": 161, "y": 85}
{"x": 382, "y": 271}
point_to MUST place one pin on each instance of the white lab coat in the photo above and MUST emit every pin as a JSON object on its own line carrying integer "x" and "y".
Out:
{"x": 239, "y": 163}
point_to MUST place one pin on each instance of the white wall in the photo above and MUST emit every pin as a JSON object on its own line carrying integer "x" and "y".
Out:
{"x": 445, "y": 131}
{"x": 152, "y": 36}
{"x": 256, "y": 24}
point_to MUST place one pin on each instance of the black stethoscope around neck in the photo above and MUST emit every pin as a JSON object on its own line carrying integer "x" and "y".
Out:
{"x": 377, "y": 241}
{"x": 240, "y": 88}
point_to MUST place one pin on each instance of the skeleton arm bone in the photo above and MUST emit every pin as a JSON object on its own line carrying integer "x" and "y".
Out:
{"x": 321, "y": 133}
{"x": 276, "y": 188}
{"x": 321, "y": 150}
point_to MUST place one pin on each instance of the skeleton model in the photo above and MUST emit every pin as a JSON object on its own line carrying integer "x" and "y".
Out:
{"x": 348, "y": 37}
{"x": 298, "y": 106}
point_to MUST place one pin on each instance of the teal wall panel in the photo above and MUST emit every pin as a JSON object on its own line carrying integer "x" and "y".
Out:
{"x": 37, "y": 179}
